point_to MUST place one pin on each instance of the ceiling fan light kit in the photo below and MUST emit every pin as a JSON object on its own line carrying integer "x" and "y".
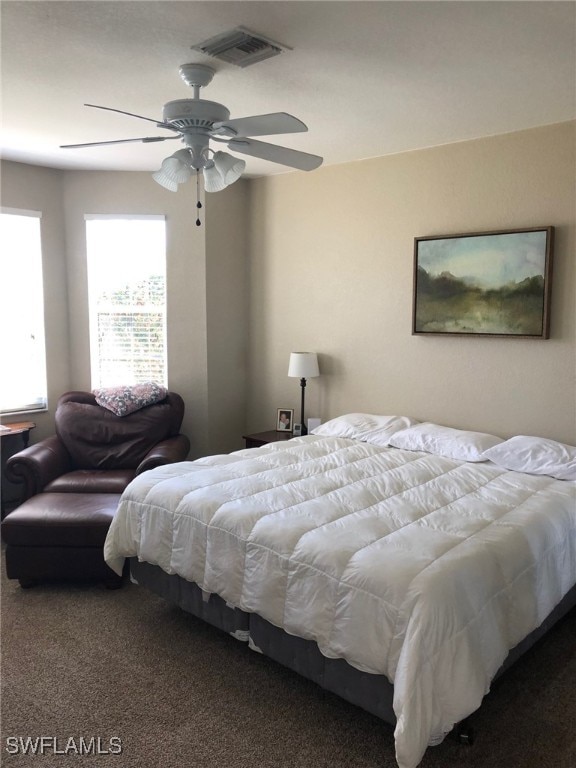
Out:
{"x": 197, "y": 121}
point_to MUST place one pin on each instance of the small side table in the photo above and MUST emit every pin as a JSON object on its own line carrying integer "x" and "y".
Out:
{"x": 18, "y": 428}
{"x": 263, "y": 438}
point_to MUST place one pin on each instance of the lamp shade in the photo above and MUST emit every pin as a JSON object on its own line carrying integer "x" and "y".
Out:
{"x": 303, "y": 365}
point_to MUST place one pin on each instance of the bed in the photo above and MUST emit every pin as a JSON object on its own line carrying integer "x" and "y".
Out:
{"x": 401, "y": 565}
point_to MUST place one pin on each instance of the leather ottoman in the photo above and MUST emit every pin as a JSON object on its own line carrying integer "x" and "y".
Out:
{"x": 60, "y": 536}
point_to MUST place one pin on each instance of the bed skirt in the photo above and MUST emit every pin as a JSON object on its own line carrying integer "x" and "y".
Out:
{"x": 371, "y": 692}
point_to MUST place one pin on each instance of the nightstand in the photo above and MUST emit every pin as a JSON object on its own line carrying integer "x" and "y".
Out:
{"x": 263, "y": 438}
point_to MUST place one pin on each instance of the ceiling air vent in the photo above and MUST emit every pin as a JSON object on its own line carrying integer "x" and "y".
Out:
{"x": 240, "y": 47}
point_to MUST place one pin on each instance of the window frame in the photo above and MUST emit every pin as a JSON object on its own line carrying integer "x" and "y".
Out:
{"x": 93, "y": 311}
{"x": 40, "y": 405}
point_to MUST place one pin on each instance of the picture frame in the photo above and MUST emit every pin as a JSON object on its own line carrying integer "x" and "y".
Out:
{"x": 495, "y": 284}
{"x": 284, "y": 420}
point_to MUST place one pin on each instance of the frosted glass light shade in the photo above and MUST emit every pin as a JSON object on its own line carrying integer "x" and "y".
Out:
{"x": 230, "y": 167}
{"x": 160, "y": 178}
{"x": 174, "y": 170}
{"x": 303, "y": 365}
{"x": 213, "y": 181}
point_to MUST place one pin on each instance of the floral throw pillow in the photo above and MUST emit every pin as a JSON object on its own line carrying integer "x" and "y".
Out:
{"x": 123, "y": 400}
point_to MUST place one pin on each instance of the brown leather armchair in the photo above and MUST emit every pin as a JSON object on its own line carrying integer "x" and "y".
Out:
{"x": 95, "y": 451}
{"x": 73, "y": 481}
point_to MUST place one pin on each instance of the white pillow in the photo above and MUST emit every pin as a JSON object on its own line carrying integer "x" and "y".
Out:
{"x": 536, "y": 456}
{"x": 362, "y": 426}
{"x": 445, "y": 441}
{"x": 381, "y": 435}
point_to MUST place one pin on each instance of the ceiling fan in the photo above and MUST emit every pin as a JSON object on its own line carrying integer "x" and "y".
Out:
{"x": 197, "y": 122}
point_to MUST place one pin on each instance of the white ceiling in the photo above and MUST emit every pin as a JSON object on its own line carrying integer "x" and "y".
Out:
{"x": 368, "y": 78}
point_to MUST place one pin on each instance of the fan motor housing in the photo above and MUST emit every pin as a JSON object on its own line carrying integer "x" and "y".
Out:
{"x": 194, "y": 113}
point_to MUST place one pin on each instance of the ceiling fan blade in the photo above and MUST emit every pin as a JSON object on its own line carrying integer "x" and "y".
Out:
{"x": 292, "y": 157}
{"x": 260, "y": 125}
{"x": 144, "y": 140}
{"x": 159, "y": 123}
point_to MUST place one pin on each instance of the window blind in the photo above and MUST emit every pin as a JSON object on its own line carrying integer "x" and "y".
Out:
{"x": 127, "y": 298}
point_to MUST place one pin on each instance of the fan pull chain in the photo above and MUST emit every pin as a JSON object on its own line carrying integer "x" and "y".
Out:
{"x": 198, "y": 203}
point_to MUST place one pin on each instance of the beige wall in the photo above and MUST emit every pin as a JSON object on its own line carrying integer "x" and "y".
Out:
{"x": 331, "y": 256}
{"x": 227, "y": 215}
{"x": 93, "y": 192}
{"x": 196, "y": 260}
{"x": 40, "y": 189}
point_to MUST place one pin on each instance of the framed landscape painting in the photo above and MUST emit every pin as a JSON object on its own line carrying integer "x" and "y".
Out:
{"x": 484, "y": 283}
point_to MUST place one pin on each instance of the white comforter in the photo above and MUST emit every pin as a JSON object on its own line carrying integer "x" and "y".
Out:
{"x": 424, "y": 569}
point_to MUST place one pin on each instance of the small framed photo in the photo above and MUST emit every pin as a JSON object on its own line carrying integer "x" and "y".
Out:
{"x": 284, "y": 420}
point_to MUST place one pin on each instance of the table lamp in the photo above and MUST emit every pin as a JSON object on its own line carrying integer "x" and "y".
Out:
{"x": 303, "y": 365}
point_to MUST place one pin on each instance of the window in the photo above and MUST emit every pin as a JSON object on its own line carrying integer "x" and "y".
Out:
{"x": 127, "y": 299}
{"x": 23, "y": 353}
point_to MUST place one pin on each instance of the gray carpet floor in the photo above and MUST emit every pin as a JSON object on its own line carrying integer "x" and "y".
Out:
{"x": 78, "y": 660}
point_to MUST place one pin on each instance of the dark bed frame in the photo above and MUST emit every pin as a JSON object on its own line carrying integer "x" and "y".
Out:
{"x": 371, "y": 692}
